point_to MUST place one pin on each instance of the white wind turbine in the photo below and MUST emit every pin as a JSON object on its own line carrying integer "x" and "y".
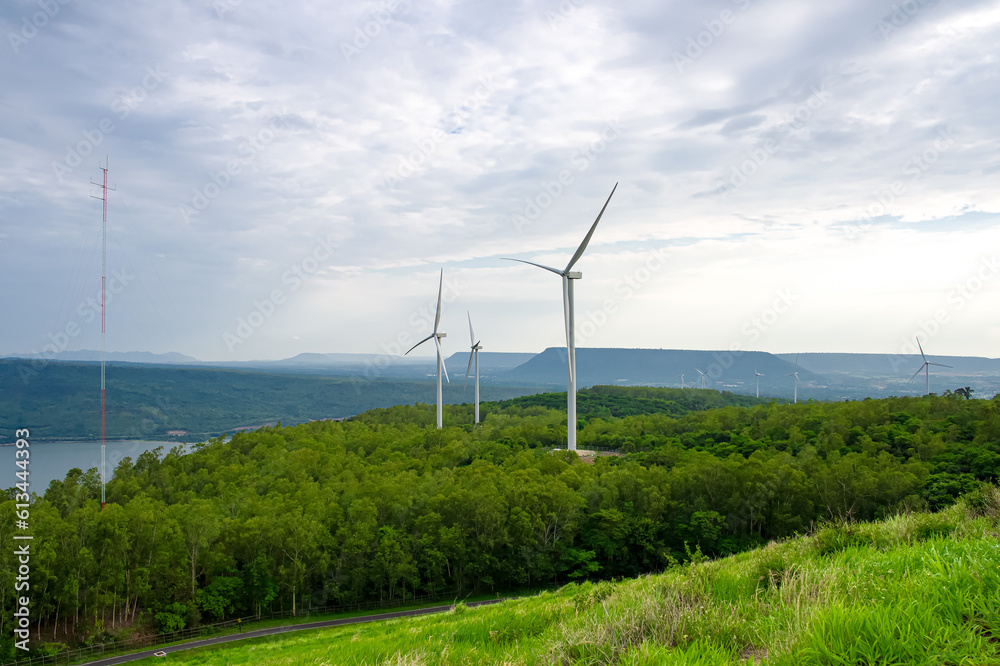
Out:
{"x": 795, "y": 381}
{"x": 440, "y": 356}
{"x": 568, "y": 275}
{"x": 682, "y": 381}
{"x": 925, "y": 367}
{"x": 758, "y": 375}
{"x": 702, "y": 377}
{"x": 474, "y": 354}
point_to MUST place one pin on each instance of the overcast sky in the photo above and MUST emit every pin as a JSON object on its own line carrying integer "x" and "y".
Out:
{"x": 291, "y": 177}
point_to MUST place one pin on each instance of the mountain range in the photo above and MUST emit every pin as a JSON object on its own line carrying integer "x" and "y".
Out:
{"x": 827, "y": 376}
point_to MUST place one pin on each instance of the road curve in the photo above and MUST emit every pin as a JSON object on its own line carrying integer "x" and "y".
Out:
{"x": 121, "y": 659}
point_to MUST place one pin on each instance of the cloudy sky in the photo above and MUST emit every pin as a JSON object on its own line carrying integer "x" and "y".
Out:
{"x": 291, "y": 178}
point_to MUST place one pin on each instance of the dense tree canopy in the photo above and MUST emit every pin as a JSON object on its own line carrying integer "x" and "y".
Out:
{"x": 384, "y": 506}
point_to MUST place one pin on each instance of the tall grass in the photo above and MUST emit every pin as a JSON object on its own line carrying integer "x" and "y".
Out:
{"x": 917, "y": 589}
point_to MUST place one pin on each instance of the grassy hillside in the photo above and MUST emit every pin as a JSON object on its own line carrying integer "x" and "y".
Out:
{"x": 917, "y": 589}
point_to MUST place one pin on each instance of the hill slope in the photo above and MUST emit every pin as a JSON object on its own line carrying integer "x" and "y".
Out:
{"x": 62, "y": 400}
{"x": 918, "y": 589}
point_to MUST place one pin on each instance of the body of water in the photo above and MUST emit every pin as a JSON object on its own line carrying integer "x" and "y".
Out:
{"x": 51, "y": 460}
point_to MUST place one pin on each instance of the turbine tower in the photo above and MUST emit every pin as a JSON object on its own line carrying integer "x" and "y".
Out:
{"x": 702, "y": 377}
{"x": 925, "y": 367}
{"x": 440, "y": 356}
{"x": 758, "y": 375}
{"x": 682, "y": 380}
{"x": 474, "y": 354}
{"x": 795, "y": 381}
{"x": 568, "y": 275}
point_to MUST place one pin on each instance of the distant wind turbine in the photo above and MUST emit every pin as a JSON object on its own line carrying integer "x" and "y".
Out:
{"x": 758, "y": 375}
{"x": 702, "y": 377}
{"x": 473, "y": 354}
{"x": 568, "y": 275}
{"x": 682, "y": 381}
{"x": 795, "y": 381}
{"x": 925, "y": 367}
{"x": 440, "y": 356}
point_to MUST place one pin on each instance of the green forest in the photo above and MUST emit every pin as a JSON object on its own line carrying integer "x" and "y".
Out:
{"x": 384, "y": 506}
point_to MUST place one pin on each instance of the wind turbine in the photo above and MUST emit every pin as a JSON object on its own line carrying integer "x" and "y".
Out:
{"x": 474, "y": 354}
{"x": 702, "y": 377}
{"x": 440, "y": 356}
{"x": 682, "y": 381}
{"x": 758, "y": 375}
{"x": 925, "y": 367}
{"x": 568, "y": 275}
{"x": 795, "y": 381}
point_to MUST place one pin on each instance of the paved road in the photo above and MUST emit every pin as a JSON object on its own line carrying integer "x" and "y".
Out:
{"x": 280, "y": 630}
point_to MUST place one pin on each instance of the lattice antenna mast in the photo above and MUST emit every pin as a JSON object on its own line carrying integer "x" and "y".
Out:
{"x": 104, "y": 290}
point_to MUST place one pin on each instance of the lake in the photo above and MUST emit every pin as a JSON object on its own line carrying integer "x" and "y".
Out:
{"x": 51, "y": 460}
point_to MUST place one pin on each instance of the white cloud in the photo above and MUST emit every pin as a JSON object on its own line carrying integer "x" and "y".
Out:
{"x": 288, "y": 140}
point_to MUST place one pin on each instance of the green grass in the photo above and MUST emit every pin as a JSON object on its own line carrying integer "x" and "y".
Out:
{"x": 917, "y": 589}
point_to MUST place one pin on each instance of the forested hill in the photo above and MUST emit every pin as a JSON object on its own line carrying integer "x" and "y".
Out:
{"x": 62, "y": 400}
{"x": 618, "y": 401}
{"x": 384, "y": 505}
{"x": 916, "y": 589}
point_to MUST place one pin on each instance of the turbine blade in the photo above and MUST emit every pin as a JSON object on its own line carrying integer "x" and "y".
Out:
{"x": 920, "y": 348}
{"x": 469, "y": 369}
{"x": 939, "y": 364}
{"x": 472, "y": 336}
{"x": 548, "y": 268}
{"x": 437, "y": 316}
{"x": 583, "y": 246}
{"x": 419, "y": 343}
{"x": 916, "y": 373}
{"x": 444, "y": 366}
